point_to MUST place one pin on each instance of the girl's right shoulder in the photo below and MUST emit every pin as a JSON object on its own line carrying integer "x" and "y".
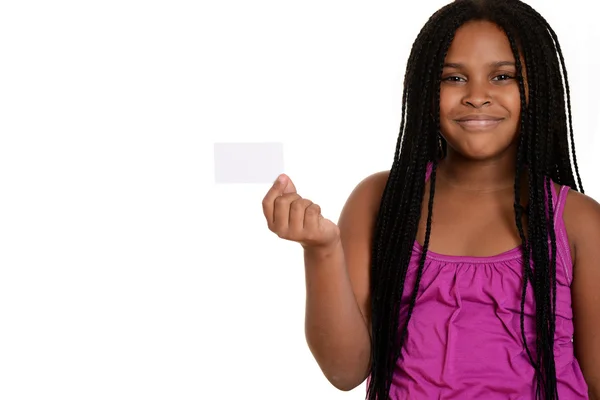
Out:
{"x": 368, "y": 192}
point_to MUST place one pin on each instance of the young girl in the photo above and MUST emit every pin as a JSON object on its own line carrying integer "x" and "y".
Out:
{"x": 471, "y": 269}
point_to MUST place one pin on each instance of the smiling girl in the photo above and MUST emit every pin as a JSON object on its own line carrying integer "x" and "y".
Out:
{"x": 470, "y": 269}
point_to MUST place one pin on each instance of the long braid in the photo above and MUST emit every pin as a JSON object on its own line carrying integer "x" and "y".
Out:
{"x": 564, "y": 92}
{"x": 527, "y": 273}
{"x": 393, "y": 180}
{"x": 568, "y": 96}
{"x": 546, "y": 381}
{"x": 548, "y": 164}
{"x": 432, "y": 157}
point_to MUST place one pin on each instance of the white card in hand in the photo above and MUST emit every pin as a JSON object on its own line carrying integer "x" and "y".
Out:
{"x": 248, "y": 162}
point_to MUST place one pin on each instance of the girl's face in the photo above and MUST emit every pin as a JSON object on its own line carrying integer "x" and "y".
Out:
{"x": 479, "y": 94}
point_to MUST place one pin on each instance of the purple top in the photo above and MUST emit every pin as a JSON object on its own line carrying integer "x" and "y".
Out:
{"x": 464, "y": 336}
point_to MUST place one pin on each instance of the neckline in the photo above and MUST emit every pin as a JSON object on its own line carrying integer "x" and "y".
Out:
{"x": 507, "y": 255}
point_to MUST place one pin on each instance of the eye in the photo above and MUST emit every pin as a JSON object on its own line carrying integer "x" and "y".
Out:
{"x": 453, "y": 79}
{"x": 503, "y": 77}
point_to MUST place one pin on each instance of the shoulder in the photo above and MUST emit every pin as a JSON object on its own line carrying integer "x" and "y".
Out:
{"x": 581, "y": 214}
{"x": 582, "y": 222}
{"x": 372, "y": 186}
{"x": 367, "y": 194}
{"x": 361, "y": 208}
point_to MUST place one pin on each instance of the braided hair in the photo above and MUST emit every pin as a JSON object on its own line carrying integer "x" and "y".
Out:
{"x": 545, "y": 148}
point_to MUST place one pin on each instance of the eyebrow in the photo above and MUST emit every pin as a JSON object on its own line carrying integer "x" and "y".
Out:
{"x": 496, "y": 64}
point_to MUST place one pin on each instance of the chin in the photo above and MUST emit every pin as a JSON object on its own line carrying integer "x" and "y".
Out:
{"x": 481, "y": 145}
{"x": 481, "y": 153}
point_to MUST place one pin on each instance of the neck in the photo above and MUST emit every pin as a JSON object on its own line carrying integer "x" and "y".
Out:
{"x": 478, "y": 175}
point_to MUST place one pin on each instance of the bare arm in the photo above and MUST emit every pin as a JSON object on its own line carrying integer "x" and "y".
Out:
{"x": 336, "y": 331}
{"x": 337, "y": 282}
{"x": 582, "y": 216}
{"x": 337, "y": 263}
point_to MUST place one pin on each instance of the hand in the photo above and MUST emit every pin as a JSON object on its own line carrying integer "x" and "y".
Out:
{"x": 297, "y": 219}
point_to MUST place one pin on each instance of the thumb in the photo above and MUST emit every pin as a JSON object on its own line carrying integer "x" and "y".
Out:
{"x": 287, "y": 184}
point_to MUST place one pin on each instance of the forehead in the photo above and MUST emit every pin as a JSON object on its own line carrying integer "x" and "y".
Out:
{"x": 480, "y": 40}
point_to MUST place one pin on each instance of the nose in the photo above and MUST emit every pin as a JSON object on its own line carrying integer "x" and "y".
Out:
{"x": 477, "y": 95}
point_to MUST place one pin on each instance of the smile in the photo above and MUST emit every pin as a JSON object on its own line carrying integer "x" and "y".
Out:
{"x": 479, "y": 124}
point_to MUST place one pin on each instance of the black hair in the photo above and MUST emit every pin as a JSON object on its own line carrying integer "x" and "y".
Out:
{"x": 545, "y": 141}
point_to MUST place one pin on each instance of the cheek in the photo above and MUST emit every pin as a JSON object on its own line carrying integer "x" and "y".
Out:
{"x": 446, "y": 102}
{"x": 511, "y": 97}
{"x": 449, "y": 101}
{"x": 513, "y": 101}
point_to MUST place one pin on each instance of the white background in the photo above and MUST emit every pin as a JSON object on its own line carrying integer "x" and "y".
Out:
{"x": 125, "y": 271}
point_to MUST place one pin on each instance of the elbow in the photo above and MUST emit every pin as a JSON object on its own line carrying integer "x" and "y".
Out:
{"x": 345, "y": 367}
{"x": 343, "y": 374}
{"x": 344, "y": 383}
{"x": 347, "y": 379}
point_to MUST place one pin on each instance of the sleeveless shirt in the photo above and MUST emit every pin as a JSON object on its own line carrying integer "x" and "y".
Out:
{"x": 464, "y": 336}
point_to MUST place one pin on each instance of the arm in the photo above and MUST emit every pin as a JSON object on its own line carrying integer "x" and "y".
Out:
{"x": 337, "y": 283}
{"x": 582, "y": 216}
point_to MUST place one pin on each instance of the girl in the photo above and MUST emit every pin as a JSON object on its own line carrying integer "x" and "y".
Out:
{"x": 471, "y": 269}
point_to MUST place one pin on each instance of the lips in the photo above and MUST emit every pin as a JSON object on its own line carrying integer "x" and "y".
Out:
{"x": 478, "y": 121}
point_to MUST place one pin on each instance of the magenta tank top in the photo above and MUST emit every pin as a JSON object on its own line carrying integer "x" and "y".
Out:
{"x": 464, "y": 336}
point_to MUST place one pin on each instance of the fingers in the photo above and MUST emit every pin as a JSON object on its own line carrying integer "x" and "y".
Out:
{"x": 289, "y": 186}
{"x": 297, "y": 217}
{"x": 283, "y": 185}
{"x": 281, "y": 212}
{"x": 288, "y": 214}
{"x": 312, "y": 217}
